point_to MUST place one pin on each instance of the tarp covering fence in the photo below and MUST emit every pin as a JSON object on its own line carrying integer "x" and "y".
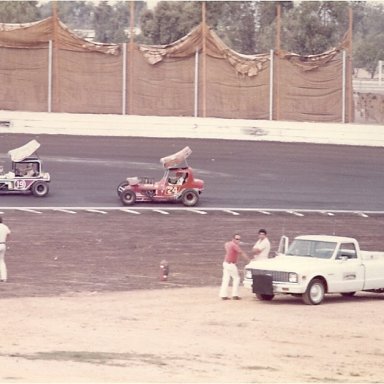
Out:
{"x": 45, "y": 67}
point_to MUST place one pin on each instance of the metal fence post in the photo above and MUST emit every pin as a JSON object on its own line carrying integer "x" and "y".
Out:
{"x": 124, "y": 85}
{"x": 271, "y": 86}
{"x": 196, "y": 88}
{"x": 343, "y": 91}
{"x": 50, "y": 76}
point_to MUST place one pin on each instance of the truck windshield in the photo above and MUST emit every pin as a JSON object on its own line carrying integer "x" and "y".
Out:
{"x": 312, "y": 248}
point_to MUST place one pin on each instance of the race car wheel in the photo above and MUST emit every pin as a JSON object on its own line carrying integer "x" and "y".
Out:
{"x": 40, "y": 189}
{"x": 190, "y": 198}
{"x": 121, "y": 187}
{"x": 315, "y": 292}
{"x": 128, "y": 197}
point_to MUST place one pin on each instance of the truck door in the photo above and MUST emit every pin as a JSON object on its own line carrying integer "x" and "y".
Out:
{"x": 349, "y": 270}
{"x": 283, "y": 245}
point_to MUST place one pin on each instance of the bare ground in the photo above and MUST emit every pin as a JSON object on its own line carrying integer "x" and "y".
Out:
{"x": 84, "y": 303}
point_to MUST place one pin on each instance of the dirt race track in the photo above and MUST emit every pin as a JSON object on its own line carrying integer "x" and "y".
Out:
{"x": 84, "y": 303}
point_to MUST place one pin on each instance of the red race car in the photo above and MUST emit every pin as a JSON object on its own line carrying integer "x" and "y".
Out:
{"x": 177, "y": 184}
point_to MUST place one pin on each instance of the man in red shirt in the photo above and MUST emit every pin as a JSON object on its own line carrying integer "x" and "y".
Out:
{"x": 232, "y": 252}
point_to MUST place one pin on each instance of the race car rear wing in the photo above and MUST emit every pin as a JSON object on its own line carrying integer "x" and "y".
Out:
{"x": 19, "y": 154}
{"x": 178, "y": 159}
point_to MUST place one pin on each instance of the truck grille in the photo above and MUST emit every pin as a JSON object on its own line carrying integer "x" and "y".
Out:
{"x": 276, "y": 275}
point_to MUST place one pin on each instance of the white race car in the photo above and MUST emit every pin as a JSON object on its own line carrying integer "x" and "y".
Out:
{"x": 26, "y": 174}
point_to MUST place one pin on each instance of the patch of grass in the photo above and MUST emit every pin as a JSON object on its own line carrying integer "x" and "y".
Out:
{"x": 99, "y": 358}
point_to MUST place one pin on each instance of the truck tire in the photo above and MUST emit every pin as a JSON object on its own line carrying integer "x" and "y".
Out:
{"x": 263, "y": 297}
{"x": 40, "y": 189}
{"x": 128, "y": 197}
{"x": 190, "y": 198}
{"x": 121, "y": 187}
{"x": 315, "y": 292}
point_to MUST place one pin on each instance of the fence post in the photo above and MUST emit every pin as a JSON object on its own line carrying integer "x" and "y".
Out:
{"x": 124, "y": 85}
{"x": 271, "y": 86}
{"x": 131, "y": 49}
{"x": 196, "y": 88}
{"x": 56, "y": 60}
{"x": 343, "y": 90}
{"x": 204, "y": 69}
{"x": 278, "y": 47}
{"x": 50, "y": 76}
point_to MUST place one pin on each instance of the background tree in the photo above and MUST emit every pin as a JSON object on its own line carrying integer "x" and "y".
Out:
{"x": 314, "y": 27}
{"x": 368, "y": 43}
{"x": 248, "y": 27}
{"x": 75, "y": 14}
{"x": 169, "y": 21}
{"x": 266, "y": 13}
{"x": 19, "y": 11}
{"x": 235, "y": 23}
{"x": 105, "y": 23}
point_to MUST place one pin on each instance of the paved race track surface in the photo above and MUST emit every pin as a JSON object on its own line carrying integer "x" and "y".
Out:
{"x": 85, "y": 172}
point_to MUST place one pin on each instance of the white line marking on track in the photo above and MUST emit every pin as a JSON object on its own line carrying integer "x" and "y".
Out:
{"x": 161, "y": 211}
{"x": 265, "y": 212}
{"x": 29, "y": 210}
{"x": 130, "y": 211}
{"x": 199, "y": 212}
{"x": 139, "y": 210}
{"x": 231, "y": 212}
{"x": 295, "y": 213}
{"x": 65, "y": 211}
{"x": 96, "y": 211}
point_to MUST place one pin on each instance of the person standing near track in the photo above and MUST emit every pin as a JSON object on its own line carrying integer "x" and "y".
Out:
{"x": 262, "y": 246}
{"x": 4, "y": 232}
{"x": 230, "y": 270}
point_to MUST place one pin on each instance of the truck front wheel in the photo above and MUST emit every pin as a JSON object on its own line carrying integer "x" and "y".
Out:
{"x": 315, "y": 292}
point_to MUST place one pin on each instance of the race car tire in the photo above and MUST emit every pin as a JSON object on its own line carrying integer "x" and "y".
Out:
{"x": 40, "y": 189}
{"x": 314, "y": 295}
{"x": 190, "y": 198}
{"x": 121, "y": 187}
{"x": 128, "y": 197}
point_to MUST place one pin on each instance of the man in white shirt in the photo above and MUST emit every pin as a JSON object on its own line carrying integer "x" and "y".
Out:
{"x": 4, "y": 232}
{"x": 262, "y": 246}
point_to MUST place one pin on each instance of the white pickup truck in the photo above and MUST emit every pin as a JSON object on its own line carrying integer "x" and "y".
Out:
{"x": 312, "y": 266}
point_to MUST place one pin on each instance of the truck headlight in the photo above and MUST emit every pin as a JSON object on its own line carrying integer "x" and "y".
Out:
{"x": 248, "y": 274}
{"x": 292, "y": 277}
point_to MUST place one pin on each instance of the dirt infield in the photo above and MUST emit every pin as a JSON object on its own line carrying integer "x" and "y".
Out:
{"x": 84, "y": 303}
{"x": 56, "y": 253}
